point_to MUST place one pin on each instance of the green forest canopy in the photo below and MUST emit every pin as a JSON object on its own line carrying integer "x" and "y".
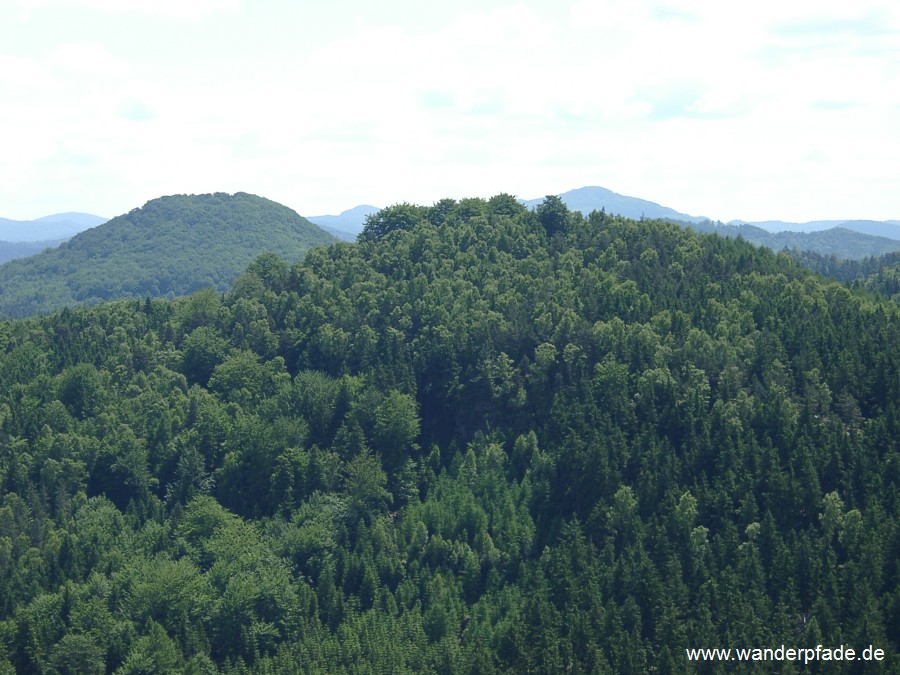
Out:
{"x": 483, "y": 439}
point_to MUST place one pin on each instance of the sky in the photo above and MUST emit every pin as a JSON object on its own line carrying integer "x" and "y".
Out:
{"x": 762, "y": 110}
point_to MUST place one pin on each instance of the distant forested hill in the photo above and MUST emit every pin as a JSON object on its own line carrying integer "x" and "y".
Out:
{"x": 11, "y": 250}
{"x": 884, "y": 228}
{"x": 839, "y": 241}
{"x": 170, "y": 247}
{"x": 480, "y": 440}
{"x": 880, "y": 274}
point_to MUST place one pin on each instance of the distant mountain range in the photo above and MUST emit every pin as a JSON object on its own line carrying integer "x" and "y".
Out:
{"x": 839, "y": 241}
{"x": 846, "y": 238}
{"x": 59, "y": 226}
{"x": 23, "y": 238}
{"x": 169, "y": 247}
{"x": 876, "y": 228}
{"x": 588, "y": 199}
{"x": 346, "y": 225}
{"x": 349, "y": 223}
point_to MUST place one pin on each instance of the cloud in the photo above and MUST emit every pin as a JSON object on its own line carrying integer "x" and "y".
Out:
{"x": 173, "y": 9}
{"x": 87, "y": 58}
{"x": 712, "y": 108}
{"x": 833, "y": 105}
{"x": 136, "y": 110}
{"x": 22, "y": 72}
{"x": 437, "y": 99}
{"x": 866, "y": 25}
{"x": 870, "y": 18}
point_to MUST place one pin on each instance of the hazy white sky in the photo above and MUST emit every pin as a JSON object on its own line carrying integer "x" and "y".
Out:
{"x": 759, "y": 110}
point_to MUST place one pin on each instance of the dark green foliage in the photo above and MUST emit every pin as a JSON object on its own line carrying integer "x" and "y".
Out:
{"x": 202, "y": 351}
{"x": 484, "y": 439}
{"x": 168, "y": 248}
{"x": 553, "y": 215}
{"x": 81, "y": 390}
{"x": 393, "y": 218}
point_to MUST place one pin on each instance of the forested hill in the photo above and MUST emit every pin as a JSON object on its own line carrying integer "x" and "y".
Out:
{"x": 10, "y": 250}
{"x": 480, "y": 440}
{"x": 170, "y": 247}
{"x": 880, "y": 274}
{"x": 839, "y": 241}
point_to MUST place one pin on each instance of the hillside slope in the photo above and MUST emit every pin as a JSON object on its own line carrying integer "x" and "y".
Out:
{"x": 480, "y": 440}
{"x": 169, "y": 247}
